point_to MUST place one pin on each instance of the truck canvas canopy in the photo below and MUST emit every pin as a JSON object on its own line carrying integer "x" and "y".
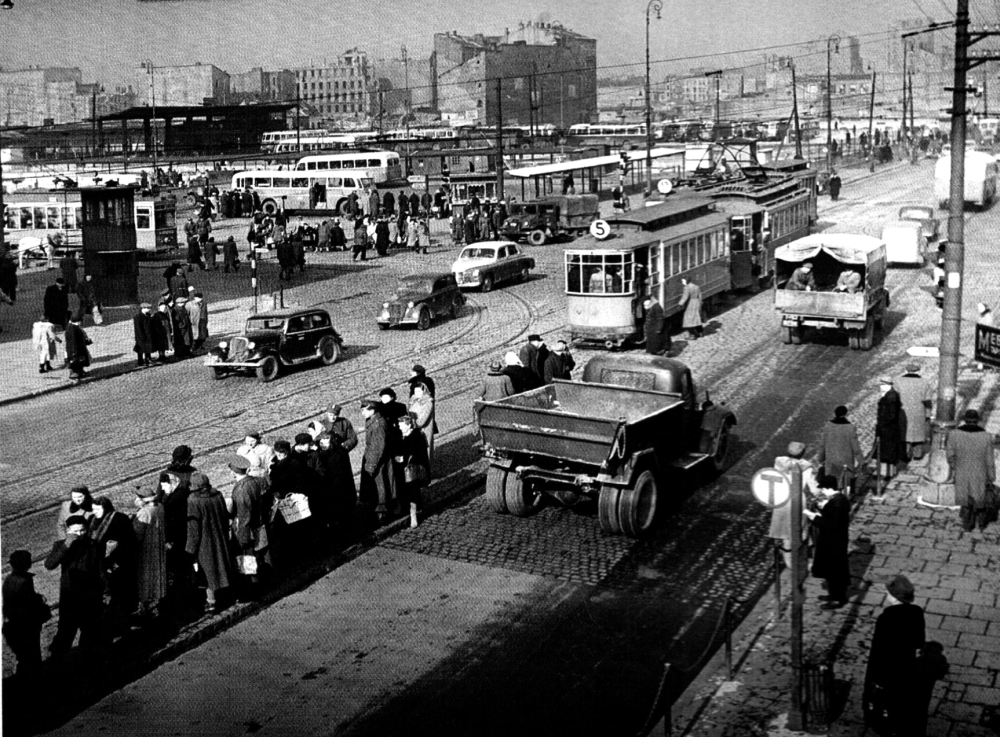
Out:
{"x": 847, "y": 248}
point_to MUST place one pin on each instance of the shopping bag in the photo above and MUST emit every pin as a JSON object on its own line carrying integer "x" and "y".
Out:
{"x": 294, "y": 507}
{"x": 247, "y": 564}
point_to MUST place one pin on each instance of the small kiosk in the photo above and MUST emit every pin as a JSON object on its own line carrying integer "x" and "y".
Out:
{"x": 109, "y": 243}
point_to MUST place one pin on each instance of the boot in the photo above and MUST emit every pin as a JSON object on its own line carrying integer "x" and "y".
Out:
{"x": 41, "y": 368}
{"x": 48, "y": 366}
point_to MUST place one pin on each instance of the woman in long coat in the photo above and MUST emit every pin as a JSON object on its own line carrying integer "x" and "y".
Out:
{"x": 691, "y": 302}
{"x": 413, "y": 461}
{"x": 830, "y": 559}
{"x": 656, "y": 329}
{"x": 149, "y": 526}
{"x": 208, "y": 536}
{"x": 112, "y": 531}
{"x": 422, "y": 410}
{"x": 890, "y": 428}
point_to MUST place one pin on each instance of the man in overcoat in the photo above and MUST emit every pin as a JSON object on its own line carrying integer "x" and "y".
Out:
{"x": 77, "y": 352}
{"x": 691, "y": 303}
{"x": 830, "y": 559}
{"x": 80, "y": 587}
{"x": 840, "y": 451}
{"x": 251, "y": 513}
{"x": 656, "y": 329}
{"x": 890, "y": 428}
{"x": 969, "y": 449}
{"x": 377, "y": 487}
{"x": 916, "y": 393}
{"x": 142, "y": 326}
{"x": 533, "y": 355}
{"x": 208, "y": 537}
{"x": 56, "y": 303}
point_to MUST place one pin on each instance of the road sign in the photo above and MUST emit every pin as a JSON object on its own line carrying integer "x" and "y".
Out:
{"x": 771, "y": 487}
{"x": 600, "y": 229}
{"x": 664, "y": 186}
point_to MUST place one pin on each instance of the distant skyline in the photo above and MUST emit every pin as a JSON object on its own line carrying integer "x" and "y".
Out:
{"x": 108, "y": 39}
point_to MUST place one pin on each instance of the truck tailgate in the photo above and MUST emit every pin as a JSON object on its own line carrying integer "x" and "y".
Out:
{"x": 820, "y": 304}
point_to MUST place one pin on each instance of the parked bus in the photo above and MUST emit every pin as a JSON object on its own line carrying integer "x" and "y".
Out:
{"x": 379, "y": 166}
{"x": 38, "y": 215}
{"x": 270, "y": 139}
{"x": 326, "y": 142}
{"x": 980, "y": 178}
{"x": 286, "y": 189}
{"x": 588, "y": 130}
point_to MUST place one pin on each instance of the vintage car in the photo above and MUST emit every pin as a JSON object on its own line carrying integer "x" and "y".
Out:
{"x": 419, "y": 298}
{"x": 923, "y": 215}
{"x": 490, "y": 262}
{"x": 275, "y": 339}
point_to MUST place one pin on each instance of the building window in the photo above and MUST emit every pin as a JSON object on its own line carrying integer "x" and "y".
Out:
{"x": 571, "y": 91}
{"x": 518, "y": 84}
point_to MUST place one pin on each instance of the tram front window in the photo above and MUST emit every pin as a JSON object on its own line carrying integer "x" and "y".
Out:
{"x": 599, "y": 273}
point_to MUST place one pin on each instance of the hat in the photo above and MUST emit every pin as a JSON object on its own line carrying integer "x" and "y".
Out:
{"x": 369, "y": 404}
{"x": 796, "y": 449}
{"x": 145, "y": 306}
{"x": 387, "y": 391}
{"x": 20, "y": 560}
{"x": 303, "y": 438}
{"x": 841, "y": 411}
{"x": 901, "y": 588}
{"x": 80, "y": 490}
{"x": 190, "y": 288}
{"x": 238, "y": 463}
{"x": 885, "y": 380}
{"x": 981, "y": 308}
{"x": 335, "y": 408}
{"x": 970, "y": 415}
{"x": 76, "y": 519}
{"x": 533, "y": 337}
{"x": 147, "y": 492}
{"x": 255, "y": 434}
{"x": 182, "y": 453}
{"x": 199, "y": 481}
{"x": 60, "y": 280}
{"x": 418, "y": 369}
{"x": 912, "y": 368}
{"x": 181, "y": 301}
{"x": 230, "y": 239}
{"x": 283, "y": 446}
{"x": 495, "y": 367}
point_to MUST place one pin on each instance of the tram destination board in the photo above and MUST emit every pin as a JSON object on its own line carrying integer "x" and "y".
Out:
{"x": 988, "y": 345}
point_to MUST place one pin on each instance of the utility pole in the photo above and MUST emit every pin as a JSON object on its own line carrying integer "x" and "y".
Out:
{"x": 406, "y": 121}
{"x": 298, "y": 126}
{"x": 656, "y": 5}
{"x": 906, "y": 47}
{"x": 834, "y": 40}
{"x": 499, "y": 161}
{"x": 148, "y": 65}
{"x": 795, "y": 112}
{"x": 871, "y": 124}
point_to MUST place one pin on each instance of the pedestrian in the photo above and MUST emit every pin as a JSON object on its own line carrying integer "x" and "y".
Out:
{"x": 916, "y": 394}
{"x": 378, "y": 487}
{"x": 43, "y": 339}
{"x": 323, "y": 236}
{"x": 55, "y": 303}
{"x": 250, "y": 517}
{"x": 175, "y": 486}
{"x": 68, "y": 267}
{"x": 149, "y": 526}
{"x": 194, "y": 254}
{"x": 8, "y": 278}
{"x": 332, "y": 463}
{"x": 112, "y": 531}
{"x": 830, "y": 557}
{"x": 190, "y": 229}
{"x": 656, "y": 328}
{"x": 24, "y": 613}
{"x": 338, "y": 240}
{"x": 382, "y": 237}
{"x": 412, "y": 464}
{"x": 204, "y": 226}
{"x": 426, "y": 201}
{"x": 211, "y": 254}
{"x": 142, "y": 328}
{"x": 414, "y": 209}
{"x": 80, "y": 587}
{"x": 969, "y": 449}
{"x": 470, "y": 228}
{"x": 835, "y": 185}
{"x": 77, "y": 350}
{"x": 840, "y": 451}
{"x": 422, "y": 414}
{"x": 890, "y": 432}
{"x": 457, "y": 228}
{"x": 520, "y": 377}
{"x": 781, "y": 517}
{"x": 290, "y": 474}
{"x": 360, "y": 240}
{"x": 339, "y": 428}
{"x": 208, "y": 537}
{"x": 374, "y": 204}
{"x": 891, "y": 676}
{"x": 412, "y": 235}
{"x": 693, "y": 320}
{"x": 259, "y": 455}
{"x": 79, "y": 504}
{"x": 198, "y": 310}
{"x": 230, "y": 256}
{"x": 161, "y": 331}
{"x": 418, "y": 375}
{"x": 423, "y": 236}
{"x": 388, "y": 204}
{"x": 497, "y": 384}
{"x": 183, "y": 332}
{"x": 393, "y": 233}
{"x": 533, "y": 355}
{"x": 559, "y": 363}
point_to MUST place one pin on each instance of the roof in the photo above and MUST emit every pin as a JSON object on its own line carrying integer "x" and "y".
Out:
{"x": 624, "y": 240}
{"x": 903, "y": 224}
{"x": 527, "y": 172}
{"x": 288, "y": 312}
{"x": 662, "y": 210}
{"x": 195, "y": 111}
{"x": 849, "y": 248}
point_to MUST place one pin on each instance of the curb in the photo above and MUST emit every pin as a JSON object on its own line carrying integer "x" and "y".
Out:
{"x": 123, "y": 369}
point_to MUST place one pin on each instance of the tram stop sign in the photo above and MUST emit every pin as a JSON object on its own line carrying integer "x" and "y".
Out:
{"x": 771, "y": 487}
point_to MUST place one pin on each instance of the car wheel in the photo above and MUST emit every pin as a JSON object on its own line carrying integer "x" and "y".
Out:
{"x": 487, "y": 285}
{"x": 524, "y": 275}
{"x": 268, "y": 369}
{"x": 424, "y": 319}
{"x": 329, "y": 351}
{"x": 269, "y": 207}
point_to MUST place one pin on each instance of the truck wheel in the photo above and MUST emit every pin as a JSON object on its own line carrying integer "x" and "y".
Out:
{"x": 329, "y": 351}
{"x": 852, "y": 339}
{"x": 268, "y": 369}
{"x": 866, "y": 337}
{"x": 721, "y": 454}
{"x": 637, "y": 506}
{"x": 536, "y": 237}
{"x": 218, "y": 374}
{"x": 269, "y": 207}
{"x": 496, "y": 484}
{"x": 795, "y": 335}
{"x": 518, "y": 496}
{"x": 424, "y": 319}
{"x": 456, "y": 307}
{"x": 786, "y": 336}
{"x": 607, "y": 510}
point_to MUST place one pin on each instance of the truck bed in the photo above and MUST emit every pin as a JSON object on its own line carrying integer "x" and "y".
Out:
{"x": 578, "y": 421}
{"x": 821, "y": 304}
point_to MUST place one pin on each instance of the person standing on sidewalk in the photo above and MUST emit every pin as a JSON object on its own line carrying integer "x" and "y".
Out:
{"x": 830, "y": 559}
{"x": 24, "y": 613}
{"x": 142, "y": 326}
{"x": 80, "y": 587}
{"x": 208, "y": 537}
{"x": 969, "y": 450}
{"x": 840, "y": 452}
{"x": 43, "y": 338}
{"x": 890, "y": 680}
{"x": 889, "y": 429}
{"x": 915, "y": 392}
{"x": 77, "y": 352}
{"x": 693, "y": 320}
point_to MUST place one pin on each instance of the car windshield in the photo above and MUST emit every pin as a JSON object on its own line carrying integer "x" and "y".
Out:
{"x": 265, "y": 323}
{"x": 413, "y": 286}
{"x": 478, "y": 253}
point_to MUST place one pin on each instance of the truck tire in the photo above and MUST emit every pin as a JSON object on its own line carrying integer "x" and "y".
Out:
{"x": 607, "y": 510}
{"x": 866, "y": 337}
{"x": 722, "y": 444}
{"x": 793, "y": 335}
{"x": 852, "y": 339}
{"x": 518, "y": 495}
{"x": 269, "y": 208}
{"x": 268, "y": 369}
{"x": 536, "y": 237}
{"x": 637, "y": 505}
{"x": 496, "y": 484}
{"x": 786, "y": 336}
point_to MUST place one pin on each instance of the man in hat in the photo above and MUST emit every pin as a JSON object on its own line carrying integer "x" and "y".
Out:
{"x": 802, "y": 279}
{"x": 77, "y": 352}
{"x": 339, "y": 428}
{"x": 497, "y": 384}
{"x": 323, "y": 236}
{"x": 533, "y": 355}
{"x": 250, "y": 515}
{"x": 56, "y": 303}
{"x": 162, "y": 331}
{"x": 230, "y": 255}
{"x": 23, "y": 616}
{"x": 142, "y": 326}
{"x": 521, "y": 378}
{"x": 559, "y": 363}
{"x": 198, "y": 310}
{"x": 656, "y": 327}
{"x": 781, "y": 517}
{"x": 916, "y": 395}
{"x": 890, "y": 429}
{"x": 81, "y": 587}
{"x": 208, "y": 537}
{"x": 969, "y": 449}
{"x": 338, "y": 239}
{"x": 418, "y": 375}
{"x": 258, "y": 454}
{"x": 183, "y": 332}
{"x": 377, "y": 492}
{"x": 840, "y": 451}
{"x": 830, "y": 559}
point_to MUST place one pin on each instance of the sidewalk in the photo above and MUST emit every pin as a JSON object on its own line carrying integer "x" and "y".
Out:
{"x": 955, "y": 576}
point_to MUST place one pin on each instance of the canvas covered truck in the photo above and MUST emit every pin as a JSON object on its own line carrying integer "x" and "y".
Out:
{"x": 859, "y": 310}
{"x": 555, "y": 216}
{"x": 624, "y": 437}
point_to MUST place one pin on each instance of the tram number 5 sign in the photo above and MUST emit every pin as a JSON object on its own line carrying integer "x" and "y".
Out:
{"x": 771, "y": 487}
{"x": 600, "y": 229}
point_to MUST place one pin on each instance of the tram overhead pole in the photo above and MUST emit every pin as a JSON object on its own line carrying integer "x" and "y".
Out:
{"x": 656, "y": 5}
{"x": 148, "y": 66}
{"x": 833, "y": 41}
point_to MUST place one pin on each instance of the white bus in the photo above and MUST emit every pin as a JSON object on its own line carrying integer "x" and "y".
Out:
{"x": 291, "y": 189}
{"x": 587, "y": 129}
{"x": 980, "y": 178}
{"x": 326, "y": 142}
{"x": 270, "y": 140}
{"x": 379, "y": 166}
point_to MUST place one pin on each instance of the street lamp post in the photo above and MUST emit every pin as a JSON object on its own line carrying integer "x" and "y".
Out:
{"x": 834, "y": 41}
{"x": 656, "y": 5}
{"x": 148, "y": 66}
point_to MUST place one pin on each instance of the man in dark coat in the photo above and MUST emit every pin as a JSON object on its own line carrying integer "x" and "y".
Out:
{"x": 389, "y": 203}
{"x": 142, "y": 326}
{"x": 175, "y": 484}
{"x": 391, "y": 410}
{"x": 23, "y": 616}
{"x": 382, "y": 236}
{"x": 890, "y": 431}
{"x": 251, "y": 514}
{"x": 183, "y": 330}
{"x": 377, "y": 487}
{"x": 414, "y": 204}
{"x": 656, "y": 329}
{"x": 559, "y": 363}
{"x": 830, "y": 559}
{"x": 374, "y": 203}
{"x": 969, "y": 449}
{"x": 77, "y": 352}
{"x": 286, "y": 259}
{"x": 332, "y": 464}
{"x": 230, "y": 255}
{"x": 208, "y": 537}
{"x": 338, "y": 240}
{"x": 840, "y": 451}
{"x": 533, "y": 355}
{"x": 80, "y": 587}
{"x": 162, "y": 332}
{"x": 194, "y": 253}
{"x": 340, "y": 429}
{"x": 56, "y": 303}
{"x": 835, "y": 185}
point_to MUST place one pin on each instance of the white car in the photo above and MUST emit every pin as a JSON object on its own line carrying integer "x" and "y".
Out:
{"x": 484, "y": 264}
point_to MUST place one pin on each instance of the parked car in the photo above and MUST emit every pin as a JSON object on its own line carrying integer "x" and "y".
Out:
{"x": 276, "y": 339}
{"x": 419, "y": 298}
{"x": 923, "y": 215}
{"x": 904, "y": 242}
{"x": 482, "y": 265}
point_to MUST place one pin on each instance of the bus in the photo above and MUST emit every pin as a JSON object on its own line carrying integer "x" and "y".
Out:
{"x": 38, "y": 216}
{"x": 980, "y": 179}
{"x": 279, "y": 190}
{"x": 379, "y": 166}
{"x": 588, "y": 130}
{"x": 326, "y": 142}
{"x": 270, "y": 139}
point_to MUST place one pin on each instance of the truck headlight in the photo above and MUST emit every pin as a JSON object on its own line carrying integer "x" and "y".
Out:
{"x": 410, "y": 305}
{"x": 251, "y": 345}
{"x": 223, "y": 345}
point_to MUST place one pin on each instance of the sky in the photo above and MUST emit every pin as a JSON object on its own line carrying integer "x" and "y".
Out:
{"x": 108, "y": 39}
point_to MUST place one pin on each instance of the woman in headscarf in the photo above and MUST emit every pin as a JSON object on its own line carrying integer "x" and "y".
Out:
{"x": 112, "y": 531}
{"x": 150, "y": 529}
{"x": 79, "y": 504}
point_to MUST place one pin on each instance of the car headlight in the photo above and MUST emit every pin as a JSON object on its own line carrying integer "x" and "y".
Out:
{"x": 251, "y": 345}
{"x": 474, "y": 273}
{"x": 410, "y": 305}
{"x": 385, "y": 305}
{"x": 223, "y": 345}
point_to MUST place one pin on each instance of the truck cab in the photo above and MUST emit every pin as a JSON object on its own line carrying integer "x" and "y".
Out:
{"x": 539, "y": 221}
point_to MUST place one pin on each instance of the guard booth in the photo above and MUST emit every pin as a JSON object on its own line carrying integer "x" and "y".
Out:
{"x": 109, "y": 243}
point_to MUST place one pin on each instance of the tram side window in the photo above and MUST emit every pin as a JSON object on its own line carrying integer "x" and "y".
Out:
{"x": 39, "y": 213}
{"x": 142, "y": 219}
{"x": 67, "y": 218}
{"x": 12, "y": 218}
{"x": 675, "y": 259}
{"x": 26, "y": 218}
{"x": 52, "y": 218}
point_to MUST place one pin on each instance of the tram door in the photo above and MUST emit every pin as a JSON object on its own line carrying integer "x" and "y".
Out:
{"x": 741, "y": 247}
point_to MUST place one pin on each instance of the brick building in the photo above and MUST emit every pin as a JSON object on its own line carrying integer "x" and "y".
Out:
{"x": 44, "y": 96}
{"x": 256, "y": 85}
